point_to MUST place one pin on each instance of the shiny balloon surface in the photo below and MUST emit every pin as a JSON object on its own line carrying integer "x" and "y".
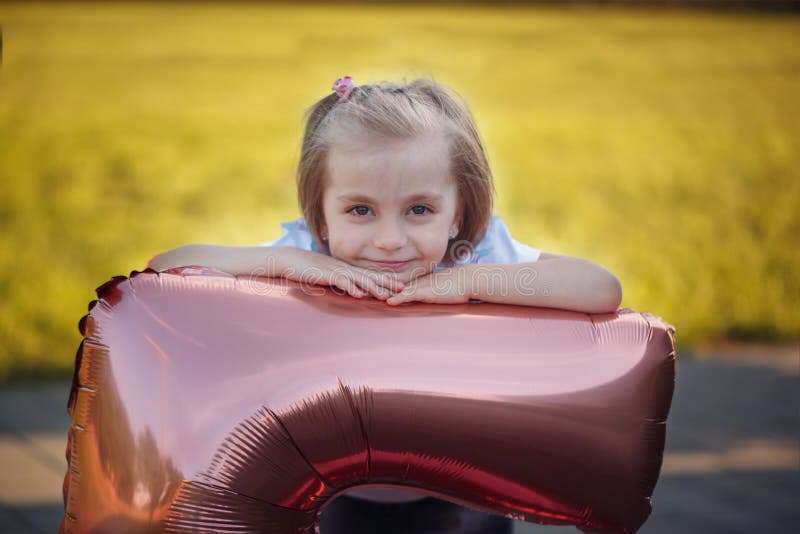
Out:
{"x": 212, "y": 403}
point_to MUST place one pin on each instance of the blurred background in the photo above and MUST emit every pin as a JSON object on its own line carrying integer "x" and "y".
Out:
{"x": 661, "y": 141}
{"x": 664, "y": 145}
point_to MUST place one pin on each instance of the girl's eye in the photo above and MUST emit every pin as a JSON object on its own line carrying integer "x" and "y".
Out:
{"x": 362, "y": 211}
{"x": 359, "y": 210}
{"x": 420, "y": 212}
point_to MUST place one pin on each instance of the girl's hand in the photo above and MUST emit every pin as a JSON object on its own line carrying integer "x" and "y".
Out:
{"x": 320, "y": 269}
{"x": 448, "y": 286}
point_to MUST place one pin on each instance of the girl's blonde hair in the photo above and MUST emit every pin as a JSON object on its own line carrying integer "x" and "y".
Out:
{"x": 399, "y": 110}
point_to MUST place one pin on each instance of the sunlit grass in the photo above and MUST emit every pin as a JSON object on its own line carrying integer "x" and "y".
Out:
{"x": 662, "y": 147}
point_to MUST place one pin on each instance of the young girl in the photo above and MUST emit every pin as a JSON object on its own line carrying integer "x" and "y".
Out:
{"x": 396, "y": 195}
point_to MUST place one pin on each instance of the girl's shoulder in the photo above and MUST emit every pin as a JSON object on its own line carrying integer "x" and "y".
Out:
{"x": 497, "y": 246}
{"x": 296, "y": 234}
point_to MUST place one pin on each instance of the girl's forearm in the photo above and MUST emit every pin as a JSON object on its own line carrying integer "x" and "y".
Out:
{"x": 262, "y": 261}
{"x": 568, "y": 283}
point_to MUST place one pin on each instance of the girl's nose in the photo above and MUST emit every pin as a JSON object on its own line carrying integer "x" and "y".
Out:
{"x": 390, "y": 237}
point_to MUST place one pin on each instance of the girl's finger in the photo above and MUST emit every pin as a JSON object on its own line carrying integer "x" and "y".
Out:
{"x": 402, "y": 296}
{"x": 366, "y": 283}
{"x": 346, "y": 284}
{"x": 378, "y": 291}
{"x": 393, "y": 283}
{"x": 387, "y": 280}
{"x": 396, "y": 299}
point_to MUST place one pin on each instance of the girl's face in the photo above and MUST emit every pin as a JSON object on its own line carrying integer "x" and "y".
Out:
{"x": 390, "y": 201}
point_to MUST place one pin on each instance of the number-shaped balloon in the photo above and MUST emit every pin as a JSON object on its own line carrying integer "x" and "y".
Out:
{"x": 207, "y": 402}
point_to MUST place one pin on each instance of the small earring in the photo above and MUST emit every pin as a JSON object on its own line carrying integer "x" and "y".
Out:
{"x": 453, "y": 233}
{"x": 324, "y": 237}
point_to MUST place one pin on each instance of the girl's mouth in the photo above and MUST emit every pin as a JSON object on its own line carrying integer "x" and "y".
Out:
{"x": 390, "y": 264}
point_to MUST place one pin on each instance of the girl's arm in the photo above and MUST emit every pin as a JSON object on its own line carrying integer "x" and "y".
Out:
{"x": 282, "y": 261}
{"x": 231, "y": 259}
{"x": 554, "y": 281}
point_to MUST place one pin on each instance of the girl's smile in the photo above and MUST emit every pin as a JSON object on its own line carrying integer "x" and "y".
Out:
{"x": 390, "y": 204}
{"x": 390, "y": 264}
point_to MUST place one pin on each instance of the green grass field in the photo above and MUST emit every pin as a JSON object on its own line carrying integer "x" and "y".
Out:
{"x": 664, "y": 145}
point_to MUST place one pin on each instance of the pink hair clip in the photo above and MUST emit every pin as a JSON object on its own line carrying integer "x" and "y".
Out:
{"x": 343, "y": 87}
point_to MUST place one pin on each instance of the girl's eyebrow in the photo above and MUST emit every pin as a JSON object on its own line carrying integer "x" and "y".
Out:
{"x": 432, "y": 197}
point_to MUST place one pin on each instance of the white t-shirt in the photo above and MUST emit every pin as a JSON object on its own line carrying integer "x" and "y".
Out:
{"x": 497, "y": 246}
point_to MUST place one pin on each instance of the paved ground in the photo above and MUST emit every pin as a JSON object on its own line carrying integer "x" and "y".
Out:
{"x": 732, "y": 459}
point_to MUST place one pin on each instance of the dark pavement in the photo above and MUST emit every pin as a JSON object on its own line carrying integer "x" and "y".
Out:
{"x": 731, "y": 465}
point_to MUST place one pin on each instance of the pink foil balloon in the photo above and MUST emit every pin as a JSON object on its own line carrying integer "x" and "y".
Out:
{"x": 206, "y": 402}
